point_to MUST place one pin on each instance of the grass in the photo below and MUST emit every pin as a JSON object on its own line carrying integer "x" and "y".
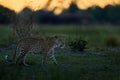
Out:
{"x": 6, "y": 36}
{"x": 97, "y": 63}
{"x": 104, "y": 66}
{"x": 96, "y": 35}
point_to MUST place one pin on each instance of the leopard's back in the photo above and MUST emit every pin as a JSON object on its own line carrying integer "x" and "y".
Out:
{"x": 38, "y": 44}
{"x": 31, "y": 45}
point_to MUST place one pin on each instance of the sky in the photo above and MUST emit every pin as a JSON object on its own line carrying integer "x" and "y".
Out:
{"x": 57, "y": 6}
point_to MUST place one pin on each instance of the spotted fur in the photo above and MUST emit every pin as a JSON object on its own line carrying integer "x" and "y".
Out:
{"x": 43, "y": 45}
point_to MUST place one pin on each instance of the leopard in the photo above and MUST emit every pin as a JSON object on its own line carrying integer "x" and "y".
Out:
{"x": 43, "y": 45}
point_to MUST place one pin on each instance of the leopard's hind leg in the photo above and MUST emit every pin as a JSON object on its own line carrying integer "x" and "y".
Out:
{"x": 22, "y": 57}
{"x": 44, "y": 58}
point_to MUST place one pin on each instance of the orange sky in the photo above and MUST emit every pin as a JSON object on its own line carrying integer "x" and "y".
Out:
{"x": 54, "y": 5}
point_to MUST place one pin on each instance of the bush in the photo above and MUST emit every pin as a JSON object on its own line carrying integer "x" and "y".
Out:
{"x": 79, "y": 45}
{"x": 112, "y": 42}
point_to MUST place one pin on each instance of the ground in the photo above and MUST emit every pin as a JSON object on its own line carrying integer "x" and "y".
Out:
{"x": 99, "y": 62}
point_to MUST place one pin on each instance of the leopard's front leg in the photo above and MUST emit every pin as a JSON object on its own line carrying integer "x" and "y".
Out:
{"x": 52, "y": 56}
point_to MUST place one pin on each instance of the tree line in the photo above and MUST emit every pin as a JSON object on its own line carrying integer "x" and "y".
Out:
{"x": 109, "y": 14}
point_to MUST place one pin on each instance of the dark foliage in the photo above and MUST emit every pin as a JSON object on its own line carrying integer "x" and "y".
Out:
{"x": 112, "y": 42}
{"x": 109, "y": 14}
{"x": 79, "y": 45}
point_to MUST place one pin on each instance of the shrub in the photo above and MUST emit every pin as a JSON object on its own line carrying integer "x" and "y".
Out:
{"x": 79, "y": 45}
{"x": 112, "y": 42}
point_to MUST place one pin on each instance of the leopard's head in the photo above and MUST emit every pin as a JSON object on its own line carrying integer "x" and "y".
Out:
{"x": 60, "y": 41}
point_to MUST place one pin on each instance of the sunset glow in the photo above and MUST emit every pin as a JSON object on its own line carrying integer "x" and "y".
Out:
{"x": 57, "y": 6}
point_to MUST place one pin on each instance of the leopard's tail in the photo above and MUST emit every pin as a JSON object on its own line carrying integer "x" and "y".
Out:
{"x": 7, "y": 59}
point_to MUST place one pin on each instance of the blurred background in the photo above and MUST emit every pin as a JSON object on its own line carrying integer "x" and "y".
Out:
{"x": 92, "y": 37}
{"x": 107, "y": 15}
